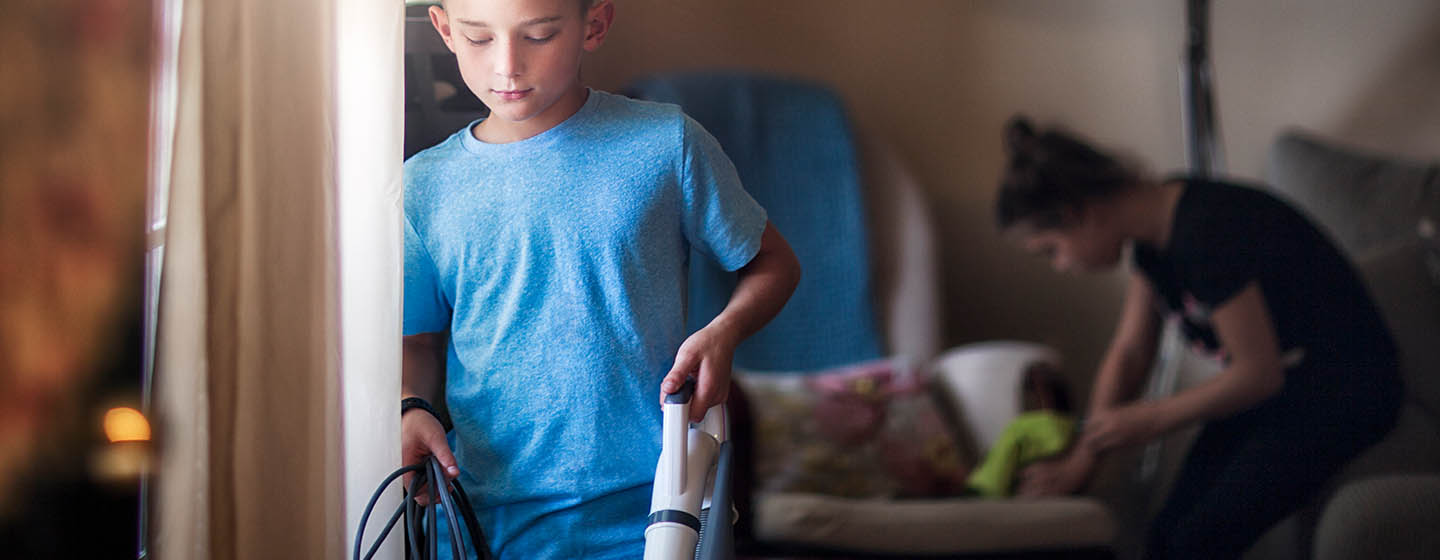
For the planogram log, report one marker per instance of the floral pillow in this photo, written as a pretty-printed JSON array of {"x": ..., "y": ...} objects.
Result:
[{"x": 870, "y": 430}]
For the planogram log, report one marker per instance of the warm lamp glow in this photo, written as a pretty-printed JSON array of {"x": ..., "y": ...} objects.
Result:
[{"x": 126, "y": 424}]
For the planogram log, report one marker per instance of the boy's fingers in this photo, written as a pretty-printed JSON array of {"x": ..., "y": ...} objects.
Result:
[
  {"x": 709, "y": 391},
  {"x": 441, "y": 450},
  {"x": 673, "y": 380},
  {"x": 684, "y": 365}
]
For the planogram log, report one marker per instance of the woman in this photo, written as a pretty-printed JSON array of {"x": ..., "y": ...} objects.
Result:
[{"x": 1309, "y": 376}]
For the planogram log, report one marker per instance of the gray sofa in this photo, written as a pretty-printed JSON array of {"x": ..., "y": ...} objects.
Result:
[
  {"x": 1381, "y": 211},
  {"x": 1386, "y": 503}
]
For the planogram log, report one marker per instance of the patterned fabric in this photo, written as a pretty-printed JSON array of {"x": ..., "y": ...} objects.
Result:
[{"x": 864, "y": 431}]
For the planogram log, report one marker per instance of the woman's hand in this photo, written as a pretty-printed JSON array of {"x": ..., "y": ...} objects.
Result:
[
  {"x": 1057, "y": 477},
  {"x": 707, "y": 356},
  {"x": 1122, "y": 427}
]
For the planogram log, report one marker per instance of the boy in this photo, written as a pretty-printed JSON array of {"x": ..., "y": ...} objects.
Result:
[{"x": 548, "y": 243}]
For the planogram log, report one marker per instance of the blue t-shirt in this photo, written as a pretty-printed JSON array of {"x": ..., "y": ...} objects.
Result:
[{"x": 557, "y": 264}]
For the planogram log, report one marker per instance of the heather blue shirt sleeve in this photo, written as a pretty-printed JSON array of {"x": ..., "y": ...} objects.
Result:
[
  {"x": 426, "y": 307},
  {"x": 721, "y": 220}
]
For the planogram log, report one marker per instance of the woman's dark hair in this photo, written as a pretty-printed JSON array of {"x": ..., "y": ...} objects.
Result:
[{"x": 1051, "y": 176}]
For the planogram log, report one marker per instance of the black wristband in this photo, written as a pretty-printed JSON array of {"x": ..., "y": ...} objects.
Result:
[{"x": 416, "y": 402}]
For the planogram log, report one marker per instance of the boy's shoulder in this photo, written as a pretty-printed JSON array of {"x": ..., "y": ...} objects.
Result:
[
  {"x": 428, "y": 160},
  {"x": 614, "y": 117},
  {"x": 615, "y": 104},
  {"x": 615, "y": 122},
  {"x": 627, "y": 116}
]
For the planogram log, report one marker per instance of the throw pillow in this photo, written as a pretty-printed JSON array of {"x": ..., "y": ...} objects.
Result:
[{"x": 869, "y": 430}]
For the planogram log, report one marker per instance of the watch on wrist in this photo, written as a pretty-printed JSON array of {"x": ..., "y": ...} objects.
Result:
[{"x": 408, "y": 403}]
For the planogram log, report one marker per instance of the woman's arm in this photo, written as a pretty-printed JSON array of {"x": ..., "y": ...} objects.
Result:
[
  {"x": 765, "y": 285},
  {"x": 1121, "y": 375},
  {"x": 1253, "y": 374},
  {"x": 1132, "y": 349}
]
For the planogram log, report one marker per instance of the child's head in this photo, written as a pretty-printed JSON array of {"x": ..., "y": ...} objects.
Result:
[
  {"x": 1042, "y": 388},
  {"x": 1049, "y": 193},
  {"x": 521, "y": 56}
]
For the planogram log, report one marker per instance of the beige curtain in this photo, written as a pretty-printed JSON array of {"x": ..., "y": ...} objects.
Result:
[{"x": 249, "y": 399}]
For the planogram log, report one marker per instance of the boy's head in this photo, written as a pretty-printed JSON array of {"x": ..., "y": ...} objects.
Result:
[
  {"x": 1044, "y": 389},
  {"x": 521, "y": 56}
]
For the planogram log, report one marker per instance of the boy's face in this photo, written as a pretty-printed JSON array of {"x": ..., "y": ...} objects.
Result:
[{"x": 521, "y": 56}]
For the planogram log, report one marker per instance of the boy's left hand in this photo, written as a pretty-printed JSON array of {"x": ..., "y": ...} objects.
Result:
[{"x": 706, "y": 355}]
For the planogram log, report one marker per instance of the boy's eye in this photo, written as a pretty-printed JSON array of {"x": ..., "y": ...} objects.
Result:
[
  {"x": 541, "y": 39},
  {"x": 477, "y": 42}
]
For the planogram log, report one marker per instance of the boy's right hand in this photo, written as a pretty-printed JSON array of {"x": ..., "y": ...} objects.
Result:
[{"x": 421, "y": 435}]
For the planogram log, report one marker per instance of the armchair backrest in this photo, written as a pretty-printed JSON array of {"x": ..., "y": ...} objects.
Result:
[{"x": 792, "y": 147}]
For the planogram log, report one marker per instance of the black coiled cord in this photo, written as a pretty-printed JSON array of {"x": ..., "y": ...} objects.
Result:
[{"x": 416, "y": 516}]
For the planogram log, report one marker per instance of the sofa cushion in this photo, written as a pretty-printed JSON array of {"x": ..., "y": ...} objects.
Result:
[
  {"x": 1364, "y": 201},
  {"x": 1386, "y": 517},
  {"x": 919, "y": 527},
  {"x": 1411, "y": 305},
  {"x": 1430, "y": 244}
]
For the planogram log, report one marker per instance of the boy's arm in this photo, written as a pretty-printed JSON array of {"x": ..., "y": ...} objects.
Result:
[
  {"x": 420, "y": 367},
  {"x": 765, "y": 285},
  {"x": 420, "y": 376}
]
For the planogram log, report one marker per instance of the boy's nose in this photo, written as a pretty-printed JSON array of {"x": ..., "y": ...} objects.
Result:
[{"x": 507, "y": 61}]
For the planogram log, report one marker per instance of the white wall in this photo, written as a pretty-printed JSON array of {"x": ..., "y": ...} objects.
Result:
[{"x": 368, "y": 135}]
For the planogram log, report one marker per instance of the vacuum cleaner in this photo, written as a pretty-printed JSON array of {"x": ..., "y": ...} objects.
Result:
[
  {"x": 692, "y": 483},
  {"x": 420, "y": 541},
  {"x": 692, "y": 512}
]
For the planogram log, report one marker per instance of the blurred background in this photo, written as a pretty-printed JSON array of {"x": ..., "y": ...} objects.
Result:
[
  {"x": 938, "y": 79},
  {"x": 104, "y": 102},
  {"x": 74, "y": 114}
]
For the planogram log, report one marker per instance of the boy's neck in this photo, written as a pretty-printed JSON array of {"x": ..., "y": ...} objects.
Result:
[{"x": 495, "y": 130}]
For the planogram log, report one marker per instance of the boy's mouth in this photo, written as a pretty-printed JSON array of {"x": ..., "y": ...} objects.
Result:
[{"x": 512, "y": 94}]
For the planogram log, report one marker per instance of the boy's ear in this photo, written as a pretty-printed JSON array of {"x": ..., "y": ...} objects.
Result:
[
  {"x": 441, "y": 21},
  {"x": 597, "y": 23}
]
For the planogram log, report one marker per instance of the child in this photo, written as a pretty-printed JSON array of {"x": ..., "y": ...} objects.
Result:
[
  {"x": 1310, "y": 375},
  {"x": 545, "y": 256},
  {"x": 1043, "y": 430}
]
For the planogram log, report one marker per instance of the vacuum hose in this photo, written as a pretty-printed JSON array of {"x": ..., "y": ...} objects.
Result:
[{"x": 422, "y": 542}]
